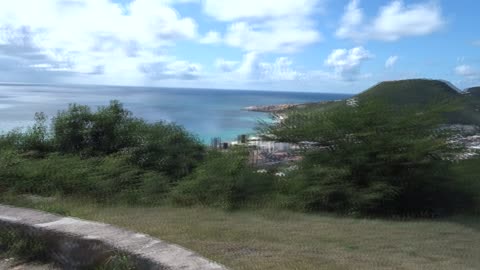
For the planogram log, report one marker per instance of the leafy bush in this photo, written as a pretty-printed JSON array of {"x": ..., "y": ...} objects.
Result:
[
  {"x": 167, "y": 148},
  {"x": 111, "y": 178},
  {"x": 71, "y": 129},
  {"x": 35, "y": 139},
  {"x": 225, "y": 180}
]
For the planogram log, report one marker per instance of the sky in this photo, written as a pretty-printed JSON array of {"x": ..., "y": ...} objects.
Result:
[{"x": 339, "y": 46}]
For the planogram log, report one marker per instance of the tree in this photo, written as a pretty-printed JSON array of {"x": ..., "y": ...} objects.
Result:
[
  {"x": 372, "y": 159},
  {"x": 71, "y": 128}
]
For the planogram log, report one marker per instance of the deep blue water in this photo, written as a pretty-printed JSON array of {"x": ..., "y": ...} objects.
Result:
[{"x": 206, "y": 113}]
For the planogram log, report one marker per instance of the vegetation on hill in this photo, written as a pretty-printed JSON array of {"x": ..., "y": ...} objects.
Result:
[
  {"x": 410, "y": 92},
  {"x": 474, "y": 92},
  {"x": 419, "y": 92},
  {"x": 371, "y": 157},
  {"x": 107, "y": 154}
]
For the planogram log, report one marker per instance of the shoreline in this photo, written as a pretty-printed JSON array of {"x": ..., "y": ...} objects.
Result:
[
  {"x": 278, "y": 108},
  {"x": 273, "y": 108}
]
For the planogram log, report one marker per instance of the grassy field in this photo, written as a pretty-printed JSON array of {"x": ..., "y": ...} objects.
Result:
[{"x": 267, "y": 239}]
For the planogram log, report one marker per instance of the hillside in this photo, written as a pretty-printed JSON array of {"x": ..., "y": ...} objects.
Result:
[
  {"x": 410, "y": 92},
  {"x": 419, "y": 92},
  {"x": 473, "y": 92}
]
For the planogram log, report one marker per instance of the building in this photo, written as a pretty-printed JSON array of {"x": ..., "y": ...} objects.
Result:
[{"x": 216, "y": 143}]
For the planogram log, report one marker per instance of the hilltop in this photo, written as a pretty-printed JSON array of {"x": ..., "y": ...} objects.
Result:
[
  {"x": 474, "y": 91},
  {"x": 412, "y": 92}
]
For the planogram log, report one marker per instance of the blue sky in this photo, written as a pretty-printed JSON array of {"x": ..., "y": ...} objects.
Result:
[{"x": 291, "y": 45}]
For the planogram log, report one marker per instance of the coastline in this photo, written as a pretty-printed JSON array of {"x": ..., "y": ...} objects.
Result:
[
  {"x": 278, "y": 108},
  {"x": 273, "y": 108}
]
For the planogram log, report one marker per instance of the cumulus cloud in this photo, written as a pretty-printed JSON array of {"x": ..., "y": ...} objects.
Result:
[
  {"x": 271, "y": 36},
  {"x": 253, "y": 9},
  {"x": 212, "y": 37},
  {"x": 252, "y": 68},
  {"x": 394, "y": 21},
  {"x": 467, "y": 71},
  {"x": 346, "y": 63},
  {"x": 280, "y": 70},
  {"x": 391, "y": 61},
  {"x": 89, "y": 36},
  {"x": 226, "y": 66},
  {"x": 267, "y": 26},
  {"x": 182, "y": 70}
]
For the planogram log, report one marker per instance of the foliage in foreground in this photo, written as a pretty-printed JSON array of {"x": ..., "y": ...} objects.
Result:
[
  {"x": 163, "y": 147},
  {"x": 105, "y": 179},
  {"x": 20, "y": 245},
  {"x": 370, "y": 159},
  {"x": 366, "y": 159},
  {"x": 225, "y": 180}
]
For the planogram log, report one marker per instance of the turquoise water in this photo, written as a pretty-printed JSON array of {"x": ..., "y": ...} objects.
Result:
[{"x": 206, "y": 113}]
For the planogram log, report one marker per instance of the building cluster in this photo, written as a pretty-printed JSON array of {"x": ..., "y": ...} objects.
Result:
[{"x": 262, "y": 152}]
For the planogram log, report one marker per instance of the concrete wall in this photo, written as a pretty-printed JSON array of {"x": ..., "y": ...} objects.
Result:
[{"x": 79, "y": 244}]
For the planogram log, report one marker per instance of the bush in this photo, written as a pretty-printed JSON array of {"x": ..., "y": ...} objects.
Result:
[
  {"x": 224, "y": 180},
  {"x": 104, "y": 179},
  {"x": 71, "y": 129},
  {"x": 35, "y": 139},
  {"x": 108, "y": 155},
  {"x": 167, "y": 148}
]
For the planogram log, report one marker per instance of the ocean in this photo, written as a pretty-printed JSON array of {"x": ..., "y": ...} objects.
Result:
[{"x": 207, "y": 113}]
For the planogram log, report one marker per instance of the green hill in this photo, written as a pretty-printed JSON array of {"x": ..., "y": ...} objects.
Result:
[
  {"x": 420, "y": 92},
  {"x": 410, "y": 92},
  {"x": 473, "y": 92},
  {"x": 424, "y": 92}
]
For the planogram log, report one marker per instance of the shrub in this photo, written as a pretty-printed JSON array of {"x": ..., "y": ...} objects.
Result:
[
  {"x": 71, "y": 129},
  {"x": 35, "y": 139},
  {"x": 167, "y": 148},
  {"x": 107, "y": 154},
  {"x": 105, "y": 179},
  {"x": 225, "y": 180}
]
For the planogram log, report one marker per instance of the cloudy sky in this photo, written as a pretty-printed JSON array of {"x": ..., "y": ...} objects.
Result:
[{"x": 296, "y": 45}]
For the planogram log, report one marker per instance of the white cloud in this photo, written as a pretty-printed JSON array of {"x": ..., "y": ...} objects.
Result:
[
  {"x": 182, "y": 70},
  {"x": 254, "y": 9},
  {"x": 212, "y": 37},
  {"x": 226, "y": 66},
  {"x": 352, "y": 18},
  {"x": 249, "y": 67},
  {"x": 272, "y": 36},
  {"x": 467, "y": 71},
  {"x": 280, "y": 70},
  {"x": 391, "y": 61},
  {"x": 394, "y": 21},
  {"x": 89, "y": 36},
  {"x": 346, "y": 63},
  {"x": 268, "y": 25},
  {"x": 253, "y": 69},
  {"x": 476, "y": 43}
]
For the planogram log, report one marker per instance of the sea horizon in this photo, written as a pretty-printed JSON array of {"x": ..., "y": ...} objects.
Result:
[{"x": 207, "y": 113}]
